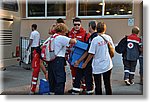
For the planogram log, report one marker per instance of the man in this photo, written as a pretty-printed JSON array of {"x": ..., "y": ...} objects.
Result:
[
  {"x": 35, "y": 57},
  {"x": 129, "y": 47},
  {"x": 79, "y": 33},
  {"x": 131, "y": 56},
  {"x": 58, "y": 21},
  {"x": 34, "y": 39},
  {"x": 87, "y": 72}
]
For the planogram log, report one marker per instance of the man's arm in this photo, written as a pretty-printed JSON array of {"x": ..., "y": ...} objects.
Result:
[
  {"x": 81, "y": 59},
  {"x": 90, "y": 56},
  {"x": 30, "y": 43}
]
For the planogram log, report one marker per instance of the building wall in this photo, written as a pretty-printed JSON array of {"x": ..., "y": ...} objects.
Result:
[{"x": 116, "y": 27}]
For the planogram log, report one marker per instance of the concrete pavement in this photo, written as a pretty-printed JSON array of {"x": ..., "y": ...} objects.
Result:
[{"x": 16, "y": 81}]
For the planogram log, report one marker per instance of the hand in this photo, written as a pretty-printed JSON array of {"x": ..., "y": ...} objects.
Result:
[
  {"x": 84, "y": 65},
  {"x": 76, "y": 64}
]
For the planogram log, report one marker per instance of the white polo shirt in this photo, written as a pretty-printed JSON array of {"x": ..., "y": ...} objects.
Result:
[
  {"x": 35, "y": 36},
  {"x": 60, "y": 44},
  {"x": 101, "y": 60}
]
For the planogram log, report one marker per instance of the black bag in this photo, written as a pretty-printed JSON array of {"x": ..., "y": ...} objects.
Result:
[{"x": 122, "y": 46}]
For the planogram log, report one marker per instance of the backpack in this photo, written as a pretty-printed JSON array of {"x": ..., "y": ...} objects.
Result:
[
  {"x": 47, "y": 49},
  {"x": 122, "y": 46}
]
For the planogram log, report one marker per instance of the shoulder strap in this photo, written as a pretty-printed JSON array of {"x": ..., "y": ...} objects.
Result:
[
  {"x": 54, "y": 36},
  {"x": 104, "y": 39}
]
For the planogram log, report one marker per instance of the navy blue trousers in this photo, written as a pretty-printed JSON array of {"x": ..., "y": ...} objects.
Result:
[
  {"x": 129, "y": 69},
  {"x": 57, "y": 75}
]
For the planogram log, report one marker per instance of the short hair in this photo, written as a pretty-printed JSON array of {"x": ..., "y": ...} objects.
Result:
[
  {"x": 93, "y": 24},
  {"x": 34, "y": 26},
  {"x": 135, "y": 30},
  {"x": 61, "y": 28},
  {"x": 101, "y": 27},
  {"x": 60, "y": 20},
  {"x": 76, "y": 19}
]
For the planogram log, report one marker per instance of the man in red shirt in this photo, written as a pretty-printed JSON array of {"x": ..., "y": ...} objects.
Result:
[{"x": 79, "y": 33}]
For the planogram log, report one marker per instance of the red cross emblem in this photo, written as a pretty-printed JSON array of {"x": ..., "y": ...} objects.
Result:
[
  {"x": 130, "y": 45},
  {"x": 99, "y": 43}
]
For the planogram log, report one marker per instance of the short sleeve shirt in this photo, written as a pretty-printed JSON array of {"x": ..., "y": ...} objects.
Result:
[
  {"x": 35, "y": 36},
  {"x": 101, "y": 60},
  {"x": 60, "y": 44}
]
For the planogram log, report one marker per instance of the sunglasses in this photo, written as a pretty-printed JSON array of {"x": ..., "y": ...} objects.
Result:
[{"x": 77, "y": 24}]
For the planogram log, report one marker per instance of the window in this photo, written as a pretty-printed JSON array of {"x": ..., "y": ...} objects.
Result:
[
  {"x": 46, "y": 8},
  {"x": 88, "y": 8},
  {"x": 104, "y": 8},
  {"x": 36, "y": 9},
  {"x": 10, "y": 5},
  {"x": 57, "y": 8},
  {"x": 118, "y": 8}
]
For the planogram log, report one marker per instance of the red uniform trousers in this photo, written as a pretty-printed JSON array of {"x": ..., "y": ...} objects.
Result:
[{"x": 36, "y": 70}]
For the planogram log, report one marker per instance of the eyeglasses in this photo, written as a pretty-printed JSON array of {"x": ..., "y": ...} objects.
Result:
[{"x": 77, "y": 24}]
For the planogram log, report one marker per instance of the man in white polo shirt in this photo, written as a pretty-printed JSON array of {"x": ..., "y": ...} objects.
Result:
[
  {"x": 35, "y": 56},
  {"x": 34, "y": 39}
]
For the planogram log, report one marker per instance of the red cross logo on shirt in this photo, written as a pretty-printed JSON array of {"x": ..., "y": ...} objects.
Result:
[
  {"x": 99, "y": 43},
  {"x": 130, "y": 45}
]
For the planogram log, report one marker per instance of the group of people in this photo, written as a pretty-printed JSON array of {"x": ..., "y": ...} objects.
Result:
[{"x": 97, "y": 60}]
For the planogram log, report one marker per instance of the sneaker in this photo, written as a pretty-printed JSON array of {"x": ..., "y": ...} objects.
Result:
[
  {"x": 52, "y": 93},
  {"x": 75, "y": 92},
  {"x": 131, "y": 82},
  {"x": 90, "y": 92},
  {"x": 127, "y": 82}
]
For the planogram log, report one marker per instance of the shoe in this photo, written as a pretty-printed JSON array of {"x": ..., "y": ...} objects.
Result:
[
  {"x": 73, "y": 92},
  {"x": 131, "y": 82},
  {"x": 52, "y": 93},
  {"x": 127, "y": 82},
  {"x": 90, "y": 92}
]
